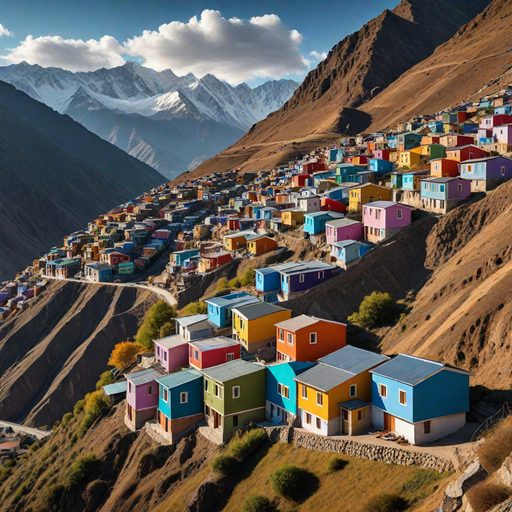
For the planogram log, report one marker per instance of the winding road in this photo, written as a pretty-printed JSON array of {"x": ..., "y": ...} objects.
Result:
[{"x": 39, "y": 434}]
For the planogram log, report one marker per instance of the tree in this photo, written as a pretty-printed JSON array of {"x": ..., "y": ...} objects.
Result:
[
  {"x": 124, "y": 354},
  {"x": 247, "y": 277},
  {"x": 167, "y": 329},
  {"x": 375, "y": 310},
  {"x": 157, "y": 315},
  {"x": 194, "y": 308}
]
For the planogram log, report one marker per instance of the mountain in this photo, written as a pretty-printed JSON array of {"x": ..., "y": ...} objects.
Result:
[
  {"x": 357, "y": 69},
  {"x": 167, "y": 121},
  {"x": 56, "y": 176}
]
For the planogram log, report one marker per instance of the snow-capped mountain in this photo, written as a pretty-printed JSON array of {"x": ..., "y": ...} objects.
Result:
[{"x": 135, "y": 107}]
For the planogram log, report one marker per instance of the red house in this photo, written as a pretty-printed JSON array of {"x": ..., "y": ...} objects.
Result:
[
  {"x": 381, "y": 154},
  {"x": 212, "y": 352},
  {"x": 453, "y": 140},
  {"x": 114, "y": 258},
  {"x": 299, "y": 180},
  {"x": 209, "y": 262},
  {"x": 463, "y": 153},
  {"x": 234, "y": 224},
  {"x": 331, "y": 205},
  {"x": 311, "y": 167}
]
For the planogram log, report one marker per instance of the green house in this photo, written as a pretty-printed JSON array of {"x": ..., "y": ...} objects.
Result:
[{"x": 234, "y": 395}]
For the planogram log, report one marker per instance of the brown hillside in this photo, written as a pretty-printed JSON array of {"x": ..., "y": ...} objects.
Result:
[
  {"x": 53, "y": 352},
  {"x": 357, "y": 68},
  {"x": 477, "y": 55}
]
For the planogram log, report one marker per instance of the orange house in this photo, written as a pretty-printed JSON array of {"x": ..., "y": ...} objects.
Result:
[
  {"x": 260, "y": 244},
  {"x": 307, "y": 338},
  {"x": 443, "y": 168}
]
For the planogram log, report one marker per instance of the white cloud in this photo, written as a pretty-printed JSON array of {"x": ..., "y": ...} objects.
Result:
[
  {"x": 232, "y": 49},
  {"x": 71, "y": 54},
  {"x": 318, "y": 56},
  {"x": 4, "y": 32}
]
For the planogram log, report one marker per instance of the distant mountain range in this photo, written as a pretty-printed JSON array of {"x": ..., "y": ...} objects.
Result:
[
  {"x": 169, "y": 122},
  {"x": 55, "y": 177}
]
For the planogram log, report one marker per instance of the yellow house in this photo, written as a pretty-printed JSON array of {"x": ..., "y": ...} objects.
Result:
[
  {"x": 334, "y": 397},
  {"x": 254, "y": 324},
  {"x": 292, "y": 217},
  {"x": 236, "y": 241},
  {"x": 410, "y": 158},
  {"x": 367, "y": 193}
]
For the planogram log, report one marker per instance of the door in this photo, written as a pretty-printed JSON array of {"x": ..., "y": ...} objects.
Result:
[
  {"x": 216, "y": 419},
  {"x": 389, "y": 422},
  {"x": 345, "y": 422}
]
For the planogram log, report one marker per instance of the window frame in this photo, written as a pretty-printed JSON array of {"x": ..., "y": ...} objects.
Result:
[
  {"x": 383, "y": 390},
  {"x": 319, "y": 398},
  {"x": 183, "y": 397},
  {"x": 350, "y": 394},
  {"x": 313, "y": 338},
  {"x": 304, "y": 391},
  {"x": 235, "y": 390},
  {"x": 400, "y": 391}
]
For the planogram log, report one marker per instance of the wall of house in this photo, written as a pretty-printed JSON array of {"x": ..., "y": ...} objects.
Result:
[
  {"x": 263, "y": 329},
  {"x": 252, "y": 393},
  {"x": 391, "y": 403}
]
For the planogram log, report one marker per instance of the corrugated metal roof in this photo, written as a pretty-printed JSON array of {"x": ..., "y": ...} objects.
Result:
[
  {"x": 185, "y": 321},
  {"x": 232, "y": 370},
  {"x": 115, "y": 389},
  {"x": 233, "y": 299},
  {"x": 381, "y": 204},
  {"x": 171, "y": 341},
  {"x": 213, "y": 343},
  {"x": 257, "y": 310},
  {"x": 324, "y": 377},
  {"x": 338, "y": 223},
  {"x": 144, "y": 376},
  {"x": 411, "y": 370},
  {"x": 178, "y": 378},
  {"x": 354, "y": 360},
  {"x": 308, "y": 266}
]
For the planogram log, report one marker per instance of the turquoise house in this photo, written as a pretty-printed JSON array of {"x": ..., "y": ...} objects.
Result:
[
  {"x": 181, "y": 257},
  {"x": 380, "y": 166},
  {"x": 419, "y": 399},
  {"x": 347, "y": 173},
  {"x": 314, "y": 223},
  {"x": 348, "y": 251},
  {"x": 412, "y": 180},
  {"x": 219, "y": 308},
  {"x": 281, "y": 390},
  {"x": 180, "y": 403}
]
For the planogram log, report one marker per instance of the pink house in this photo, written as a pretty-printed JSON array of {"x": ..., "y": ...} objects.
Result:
[
  {"x": 343, "y": 229},
  {"x": 503, "y": 134},
  {"x": 141, "y": 397},
  {"x": 382, "y": 219},
  {"x": 382, "y": 154},
  {"x": 171, "y": 352},
  {"x": 489, "y": 122}
]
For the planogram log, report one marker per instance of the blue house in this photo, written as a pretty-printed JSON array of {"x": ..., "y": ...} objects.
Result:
[
  {"x": 314, "y": 223},
  {"x": 503, "y": 109},
  {"x": 380, "y": 166},
  {"x": 436, "y": 126},
  {"x": 181, "y": 257},
  {"x": 336, "y": 193},
  {"x": 412, "y": 180},
  {"x": 268, "y": 279},
  {"x": 219, "y": 308},
  {"x": 281, "y": 390},
  {"x": 348, "y": 251},
  {"x": 347, "y": 173},
  {"x": 180, "y": 403},
  {"x": 419, "y": 399},
  {"x": 336, "y": 155},
  {"x": 408, "y": 140}
]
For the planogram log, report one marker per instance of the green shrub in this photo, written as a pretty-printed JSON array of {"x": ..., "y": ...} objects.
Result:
[
  {"x": 336, "y": 464},
  {"x": 497, "y": 446},
  {"x": 386, "y": 503},
  {"x": 105, "y": 378},
  {"x": 234, "y": 283},
  {"x": 66, "y": 418},
  {"x": 258, "y": 504},
  {"x": 289, "y": 481},
  {"x": 222, "y": 284},
  {"x": 95, "y": 405},
  {"x": 248, "y": 444},
  {"x": 247, "y": 277},
  {"x": 194, "y": 308},
  {"x": 79, "y": 407},
  {"x": 225, "y": 465},
  {"x": 486, "y": 495},
  {"x": 82, "y": 470},
  {"x": 52, "y": 496},
  {"x": 157, "y": 315},
  {"x": 375, "y": 310},
  {"x": 167, "y": 329}
]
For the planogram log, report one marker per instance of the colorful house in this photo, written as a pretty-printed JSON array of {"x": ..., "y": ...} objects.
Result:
[
  {"x": 212, "y": 352},
  {"x": 347, "y": 251},
  {"x": 314, "y": 223},
  {"x": 407, "y": 140},
  {"x": 383, "y": 219},
  {"x": 292, "y": 217},
  {"x": 141, "y": 397},
  {"x": 444, "y": 168},
  {"x": 194, "y": 327},
  {"x": 408, "y": 159},
  {"x": 253, "y": 325},
  {"x": 343, "y": 229},
  {"x": 503, "y": 134},
  {"x": 209, "y": 262},
  {"x": 463, "y": 153},
  {"x": 307, "y": 338},
  {"x": 234, "y": 395},
  {"x": 281, "y": 391},
  {"x": 260, "y": 244},
  {"x": 180, "y": 403},
  {"x": 334, "y": 397},
  {"x": 358, "y": 196},
  {"x": 236, "y": 241},
  {"x": 347, "y": 173},
  {"x": 380, "y": 166},
  {"x": 419, "y": 399},
  {"x": 411, "y": 180},
  {"x": 181, "y": 257},
  {"x": 219, "y": 308},
  {"x": 98, "y": 272},
  {"x": 309, "y": 204},
  {"x": 453, "y": 140},
  {"x": 486, "y": 173},
  {"x": 171, "y": 352},
  {"x": 304, "y": 275},
  {"x": 440, "y": 195}
]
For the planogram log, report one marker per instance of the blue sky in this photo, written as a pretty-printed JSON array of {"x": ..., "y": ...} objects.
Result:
[{"x": 267, "y": 47}]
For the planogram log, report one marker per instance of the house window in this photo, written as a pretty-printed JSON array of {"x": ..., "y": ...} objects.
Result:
[
  {"x": 235, "y": 420},
  {"x": 150, "y": 390},
  {"x": 165, "y": 395},
  {"x": 235, "y": 392},
  {"x": 352, "y": 390},
  {"x": 469, "y": 168},
  {"x": 312, "y": 338},
  {"x": 218, "y": 391},
  {"x": 290, "y": 338},
  {"x": 308, "y": 418},
  {"x": 426, "y": 427},
  {"x": 321, "y": 274},
  {"x": 359, "y": 415},
  {"x": 206, "y": 385},
  {"x": 502, "y": 170},
  {"x": 207, "y": 410},
  {"x": 459, "y": 187},
  {"x": 319, "y": 399},
  {"x": 196, "y": 354},
  {"x": 318, "y": 423},
  {"x": 399, "y": 214},
  {"x": 383, "y": 390},
  {"x": 402, "y": 397},
  {"x": 184, "y": 397},
  {"x": 230, "y": 356},
  {"x": 165, "y": 356},
  {"x": 301, "y": 278},
  {"x": 281, "y": 334},
  {"x": 279, "y": 389},
  {"x": 286, "y": 391},
  {"x": 304, "y": 393},
  {"x": 129, "y": 387}
]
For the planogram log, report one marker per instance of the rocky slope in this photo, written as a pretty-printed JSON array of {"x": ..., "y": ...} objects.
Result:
[
  {"x": 357, "y": 69},
  {"x": 56, "y": 176},
  {"x": 53, "y": 352},
  {"x": 167, "y": 121}
]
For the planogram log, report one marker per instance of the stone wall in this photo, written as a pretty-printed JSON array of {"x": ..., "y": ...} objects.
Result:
[{"x": 387, "y": 454}]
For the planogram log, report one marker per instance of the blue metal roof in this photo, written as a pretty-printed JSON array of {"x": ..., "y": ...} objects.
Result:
[
  {"x": 233, "y": 299},
  {"x": 354, "y": 360},
  {"x": 178, "y": 378},
  {"x": 115, "y": 389}
]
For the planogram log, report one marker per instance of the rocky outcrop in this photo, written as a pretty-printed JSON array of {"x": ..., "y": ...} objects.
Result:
[{"x": 504, "y": 474}]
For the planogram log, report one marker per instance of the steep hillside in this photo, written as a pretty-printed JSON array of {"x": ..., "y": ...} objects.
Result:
[
  {"x": 359, "y": 67},
  {"x": 477, "y": 55},
  {"x": 53, "y": 352},
  {"x": 56, "y": 176},
  {"x": 460, "y": 268}
]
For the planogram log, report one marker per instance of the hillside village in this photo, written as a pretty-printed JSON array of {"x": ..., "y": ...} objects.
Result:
[{"x": 247, "y": 359}]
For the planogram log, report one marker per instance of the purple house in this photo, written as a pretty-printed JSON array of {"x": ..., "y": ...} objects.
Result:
[
  {"x": 171, "y": 352},
  {"x": 486, "y": 173},
  {"x": 440, "y": 195},
  {"x": 383, "y": 219},
  {"x": 303, "y": 276},
  {"x": 141, "y": 397},
  {"x": 343, "y": 229}
]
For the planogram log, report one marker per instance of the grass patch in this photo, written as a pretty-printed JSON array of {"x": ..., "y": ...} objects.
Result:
[
  {"x": 248, "y": 444},
  {"x": 486, "y": 495},
  {"x": 497, "y": 446}
]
